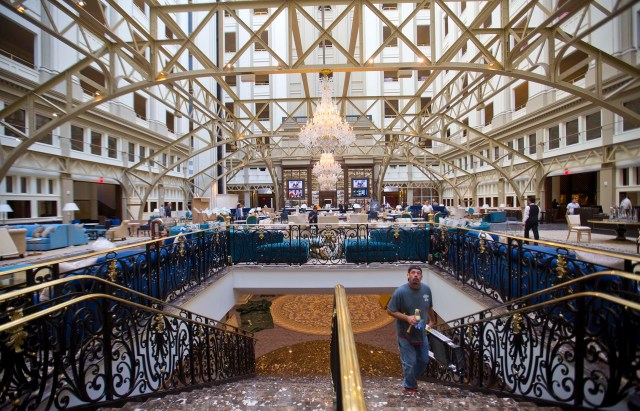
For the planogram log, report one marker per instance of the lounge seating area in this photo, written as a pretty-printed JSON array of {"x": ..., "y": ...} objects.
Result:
[{"x": 44, "y": 237}]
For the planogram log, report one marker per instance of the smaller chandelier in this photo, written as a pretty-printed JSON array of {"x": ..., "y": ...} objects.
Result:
[
  {"x": 327, "y": 171},
  {"x": 327, "y": 182},
  {"x": 326, "y": 165},
  {"x": 326, "y": 131}
]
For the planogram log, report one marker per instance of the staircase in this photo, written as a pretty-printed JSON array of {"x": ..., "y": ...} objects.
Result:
[{"x": 315, "y": 393}]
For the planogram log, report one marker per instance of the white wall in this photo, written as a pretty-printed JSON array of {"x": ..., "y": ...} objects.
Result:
[{"x": 449, "y": 301}]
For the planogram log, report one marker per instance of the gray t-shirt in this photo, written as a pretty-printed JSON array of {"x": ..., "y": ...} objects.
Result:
[{"x": 406, "y": 300}]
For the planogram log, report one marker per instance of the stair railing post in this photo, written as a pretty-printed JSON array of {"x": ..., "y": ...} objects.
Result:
[{"x": 106, "y": 346}]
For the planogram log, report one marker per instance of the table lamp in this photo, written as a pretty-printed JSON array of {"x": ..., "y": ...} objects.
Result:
[
  {"x": 70, "y": 208},
  {"x": 4, "y": 209}
]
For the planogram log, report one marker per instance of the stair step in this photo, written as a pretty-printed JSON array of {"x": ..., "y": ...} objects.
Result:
[{"x": 316, "y": 393}]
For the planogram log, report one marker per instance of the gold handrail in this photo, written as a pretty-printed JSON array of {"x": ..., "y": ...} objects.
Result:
[
  {"x": 351, "y": 381},
  {"x": 36, "y": 288}
]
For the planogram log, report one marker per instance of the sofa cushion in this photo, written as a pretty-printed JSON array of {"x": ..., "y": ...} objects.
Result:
[
  {"x": 37, "y": 233},
  {"x": 47, "y": 231}
]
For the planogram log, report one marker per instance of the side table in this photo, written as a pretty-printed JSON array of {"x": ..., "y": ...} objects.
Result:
[{"x": 35, "y": 243}]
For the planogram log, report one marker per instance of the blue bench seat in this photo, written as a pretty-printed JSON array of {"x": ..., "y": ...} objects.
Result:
[
  {"x": 295, "y": 251},
  {"x": 362, "y": 250}
]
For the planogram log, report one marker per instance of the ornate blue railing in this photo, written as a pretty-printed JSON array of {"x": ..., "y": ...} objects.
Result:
[
  {"x": 576, "y": 344},
  {"x": 88, "y": 344}
]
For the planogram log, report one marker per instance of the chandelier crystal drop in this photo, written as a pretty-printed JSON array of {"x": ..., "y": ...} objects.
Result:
[{"x": 326, "y": 131}]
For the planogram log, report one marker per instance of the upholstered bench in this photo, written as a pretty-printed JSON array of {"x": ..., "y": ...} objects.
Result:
[
  {"x": 414, "y": 243},
  {"x": 294, "y": 251},
  {"x": 362, "y": 250}
]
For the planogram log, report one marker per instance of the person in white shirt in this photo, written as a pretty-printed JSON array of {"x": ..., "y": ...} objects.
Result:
[
  {"x": 426, "y": 209},
  {"x": 572, "y": 206},
  {"x": 625, "y": 204}
]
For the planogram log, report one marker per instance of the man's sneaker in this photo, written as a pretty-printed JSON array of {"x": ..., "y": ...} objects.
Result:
[{"x": 409, "y": 390}]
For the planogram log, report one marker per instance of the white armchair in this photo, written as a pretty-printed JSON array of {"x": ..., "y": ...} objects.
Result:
[
  {"x": 121, "y": 231},
  {"x": 7, "y": 247}
]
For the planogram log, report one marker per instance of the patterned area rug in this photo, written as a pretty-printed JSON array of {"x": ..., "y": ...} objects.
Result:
[{"x": 311, "y": 314}]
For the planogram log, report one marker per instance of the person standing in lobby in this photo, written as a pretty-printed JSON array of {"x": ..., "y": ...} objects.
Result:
[
  {"x": 571, "y": 207},
  {"x": 239, "y": 215},
  {"x": 426, "y": 210},
  {"x": 625, "y": 204},
  {"x": 531, "y": 218}
]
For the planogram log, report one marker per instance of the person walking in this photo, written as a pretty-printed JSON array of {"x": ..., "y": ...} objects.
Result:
[
  {"x": 167, "y": 210},
  {"x": 530, "y": 218},
  {"x": 412, "y": 306}
]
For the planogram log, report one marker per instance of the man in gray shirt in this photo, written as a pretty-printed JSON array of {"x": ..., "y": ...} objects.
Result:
[{"x": 412, "y": 306}]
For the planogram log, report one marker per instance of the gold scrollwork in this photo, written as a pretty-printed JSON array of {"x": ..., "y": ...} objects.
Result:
[
  {"x": 561, "y": 266},
  {"x": 396, "y": 231},
  {"x": 112, "y": 271},
  {"x": 17, "y": 334},
  {"x": 443, "y": 235},
  {"x": 328, "y": 235},
  {"x": 470, "y": 332},
  {"x": 483, "y": 247},
  {"x": 516, "y": 325},
  {"x": 261, "y": 233},
  {"x": 181, "y": 249},
  {"x": 159, "y": 325}
]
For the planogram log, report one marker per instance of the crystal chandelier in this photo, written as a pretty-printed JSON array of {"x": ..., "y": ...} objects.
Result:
[
  {"x": 326, "y": 165},
  {"x": 327, "y": 182},
  {"x": 326, "y": 131},
  {"x": 327, "y": 171}
]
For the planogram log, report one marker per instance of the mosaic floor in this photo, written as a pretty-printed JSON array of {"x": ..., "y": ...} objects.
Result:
[{"x": 312, "y": 314}]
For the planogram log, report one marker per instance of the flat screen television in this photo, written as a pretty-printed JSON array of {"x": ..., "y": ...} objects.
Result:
[
  {"x": 296, "y": 188},
  {"x": 360, "y": 187}
]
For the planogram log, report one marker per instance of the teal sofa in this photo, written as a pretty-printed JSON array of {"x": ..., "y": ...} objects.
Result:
[
  {"x": 57, "y": 238},
  {"x": 365, "y": 250},
  {"x": 413, "y": 244}
]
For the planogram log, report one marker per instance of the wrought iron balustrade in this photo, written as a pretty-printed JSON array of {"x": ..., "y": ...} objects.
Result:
[
  {"x": 99, "y": 349},
  {"x": 164, "y": 268},
  {"x": 329, "y": 244},
  {"x": 576, "y": 344},
  {"x": 508, "y": 267}
]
